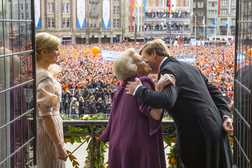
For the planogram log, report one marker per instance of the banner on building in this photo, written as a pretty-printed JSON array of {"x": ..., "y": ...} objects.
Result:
[
  {"x": 109, "y": 55},
  {"x": 81, "y": 14},
  {"x": 173, "y": 5},
  {"x": 190, "y": 59},
  {"x": 106, "y": 14},
  {"x": 37, "y": 14}
]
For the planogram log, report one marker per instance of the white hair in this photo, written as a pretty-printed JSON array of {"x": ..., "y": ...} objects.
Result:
[{"x": 124, "y": 66}]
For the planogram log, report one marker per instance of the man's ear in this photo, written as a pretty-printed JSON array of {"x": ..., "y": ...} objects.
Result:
[
  {"x": 154, "y": 54},
  {"x": 43, "y": 51}
]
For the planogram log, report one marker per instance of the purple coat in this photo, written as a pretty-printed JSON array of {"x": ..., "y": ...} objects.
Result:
[{"x": 135, "y": 138}]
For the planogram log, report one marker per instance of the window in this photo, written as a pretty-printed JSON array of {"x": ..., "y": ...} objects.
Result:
[
  {"x": 200, "y": 4},
  {"x": 118, "y": 23},
  {"x": 211, "y": 30},
  {"x": 201, "y": 29},
  {"x": 212, "y": 4},
  {"x": 233, "y": 2},
  {"x": 68, "y": 8},
  {"x": 114, "y": 23},
  {"x": 27, "y": 15},
  {"x": 94, "y": 20},
  {"x": 212, "y": 12},
  {"x": 64, "y": 23},
  {"x": 94, "y": 8},
  {"x": 48, "y": 8},
  {"x": 17, "y": 136},
  {"x": 129, "y": 9},
  {"x": 129, "y": 19},
  {"x": 91, "y": 8},
  {"x": 210, "y": 21},
  {"x": 91, "y": 22},
  {"x": 200, "y": 13},
  {"x": 118, "y": 9},
  {"x": 48, "y": 23},
  {"x": 224, "y": 2},
  {"x": 233, "y": 11},
  {"x": 68, "y": 22},
  {"x": 52, "y": 7},
  {"x": 27, "y": 7},
  {"x": 194, "y": 4},
  {"x": 223, "y": 12},
  {"x": 64, "y": 8},
  {"x": 52, "y": 22},
  {"x": 233, "y": 21},
  {"x": 223, "y": 21},
  {"x": 114, "y": 10}
]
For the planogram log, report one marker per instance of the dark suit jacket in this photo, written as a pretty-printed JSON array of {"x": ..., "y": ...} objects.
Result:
[{"x": 197, "y": 108}]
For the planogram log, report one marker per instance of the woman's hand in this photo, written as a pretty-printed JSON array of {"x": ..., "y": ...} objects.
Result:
[
  {"x": 164, "y": 81},
  {"x": 60, "y": 153}
]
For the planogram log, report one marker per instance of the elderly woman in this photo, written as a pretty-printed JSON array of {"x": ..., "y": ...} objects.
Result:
[
  {"x": 134, "y": 130},
  {"x": 50, "y": 139}
]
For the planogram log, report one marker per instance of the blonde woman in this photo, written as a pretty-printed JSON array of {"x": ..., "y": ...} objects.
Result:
[
  {"x": 134, "y": 129},
  {"x": 50, "y": 150}
]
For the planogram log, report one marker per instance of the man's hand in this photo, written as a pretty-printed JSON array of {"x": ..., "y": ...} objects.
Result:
[
  {"x": 164, "y": 81},
  {"x": 227, "y": 125},
  {"x": 131, "y": 86}
]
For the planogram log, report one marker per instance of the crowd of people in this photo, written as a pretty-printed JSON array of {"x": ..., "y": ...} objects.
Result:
[
  {"x": 97, "y": 102},
  {"x": 81, "y": 69}
]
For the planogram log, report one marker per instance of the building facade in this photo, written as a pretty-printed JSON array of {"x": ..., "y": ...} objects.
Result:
[
  {"x": 218, "y": 15},
  {"x": 77, "y": 21},
  {"x": 168, "y": 20}
]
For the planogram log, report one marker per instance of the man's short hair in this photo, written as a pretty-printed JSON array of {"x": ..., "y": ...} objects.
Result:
[{"x": 158, "y": 45}]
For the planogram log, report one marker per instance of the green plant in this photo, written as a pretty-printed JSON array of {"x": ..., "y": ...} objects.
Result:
[{"x": 99, "y": 147}]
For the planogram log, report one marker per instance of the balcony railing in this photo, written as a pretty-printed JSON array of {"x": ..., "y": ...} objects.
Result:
[
  {"x": 92, "y": 14},
  {"x": 167, "y": 30},
  {"x": 94, "y": 1},
  {"x": 246, "y": 13},
  {"x": 94, "y": 29},
  {"x": 93, "y": 133}
]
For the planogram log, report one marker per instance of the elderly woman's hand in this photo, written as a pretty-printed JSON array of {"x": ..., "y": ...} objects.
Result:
[{"x": 164, "y": 81}]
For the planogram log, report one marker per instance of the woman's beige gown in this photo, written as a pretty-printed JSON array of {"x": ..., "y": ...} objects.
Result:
[{"x": 48, "y": 103}]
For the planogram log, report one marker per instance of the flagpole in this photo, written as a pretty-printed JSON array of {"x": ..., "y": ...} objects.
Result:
[
  {"x": 138, "y": 18},
  {"x": 204, "y": 27},
  {"x": 215, "y": 29},
  {"x": 195, "y": 29}
]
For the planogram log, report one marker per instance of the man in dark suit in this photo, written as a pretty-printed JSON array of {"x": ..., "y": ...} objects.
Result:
[{"x": 201, "y": 115}]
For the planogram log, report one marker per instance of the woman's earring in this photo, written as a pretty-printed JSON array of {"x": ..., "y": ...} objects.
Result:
[
  {"x": 45, "y": 56},
  {"x": 137, "y": 73}
]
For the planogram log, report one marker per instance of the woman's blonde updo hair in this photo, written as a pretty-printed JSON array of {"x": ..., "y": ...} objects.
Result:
[
  {"x": 47, "y": 42},
  {"x": 124, "y": 66}
]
